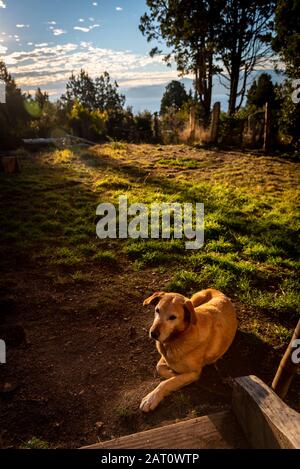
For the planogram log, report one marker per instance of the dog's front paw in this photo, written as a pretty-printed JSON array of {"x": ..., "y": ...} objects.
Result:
[{"x": 150, "y": 402}]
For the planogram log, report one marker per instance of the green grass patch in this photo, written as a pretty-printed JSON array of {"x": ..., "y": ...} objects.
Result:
[
  {"x": 36, "y": 443},
  {"x": 106, "y": 258},
  {"x": 66, "y": 257}
]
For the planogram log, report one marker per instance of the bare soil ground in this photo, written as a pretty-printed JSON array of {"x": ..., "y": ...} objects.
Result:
[{"x": 87, "y": 360}]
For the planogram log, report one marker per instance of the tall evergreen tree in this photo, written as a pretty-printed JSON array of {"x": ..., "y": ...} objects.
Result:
[
  {"x": 174, "y": 96},
  {"x": 262, "y": 91},
  {"x": 95, "y": 94}
]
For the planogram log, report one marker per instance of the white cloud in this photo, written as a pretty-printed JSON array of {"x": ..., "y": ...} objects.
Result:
[
  {"x": 51, "y": 22},
  {"x": 3, "y": 49},
  {"x": 42, "y": 44},
  {"x": 59, "y": 32},
  {"x": 91, "y": 18},
  {"x": 87, "y": 29},
  {"x": 2, "y": 4},
  {"x": 22, "y": 25},
  {"x": 119, "y": 8},
  {"x": 81, "y": 20},
  {"x": 29, "y": 43},
  {"x": 84, "y": 30},
  {"x": 51, "y": 66},
  {"x": 95, "y": 4}
]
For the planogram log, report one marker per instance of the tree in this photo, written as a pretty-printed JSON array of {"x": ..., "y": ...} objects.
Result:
[
  {"x": 244, "y": 43},
  {"x": 289, "y": 114},
  {"x": 174, "y": 96},
  {"x": 107, "y": 95},
  {"x": 199, "y": 33},
  {"x": 81, "y": 88},
  {"x": 287, "y": 35},
  {"x": 189, "y": 29},
  {"x": 287, "y": 43},
  {"x": 13, "y": 117},
  {"x": 95, "y": 94},
  {"x": 262, "y": 91},
  {"x": 42, "y": 98}
]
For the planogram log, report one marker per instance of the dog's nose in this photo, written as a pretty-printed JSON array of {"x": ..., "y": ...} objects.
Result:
[{"x": 154, "y": 334}]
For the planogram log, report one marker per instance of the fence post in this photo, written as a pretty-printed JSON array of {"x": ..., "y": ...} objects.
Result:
[
  {"x": 192, "y": 123},
  {"x": 215, "y": 122},
  {"x": 267, "y": 128},
  {"x": 9, "y": 164},
  {"x": 156, "y": 128}
]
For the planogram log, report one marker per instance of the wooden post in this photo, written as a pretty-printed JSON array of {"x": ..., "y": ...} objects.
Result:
[
  {"x": 192, "y": 123},
  {"x": 9, "y": 164},
  {"x": 214, "y": 130},
  {"x": 156, "y": 128},
  {"x": 267, "y": 128},
  {"x": 287, "y": 367}
]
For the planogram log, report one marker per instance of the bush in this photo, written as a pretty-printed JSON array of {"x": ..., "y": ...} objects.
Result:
[
  {"x": 86, "y": 123},
  {"x": 231, "y": 128}
]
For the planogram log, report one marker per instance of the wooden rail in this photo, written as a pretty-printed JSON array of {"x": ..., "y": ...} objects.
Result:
[{"x": 266, "y": 420}]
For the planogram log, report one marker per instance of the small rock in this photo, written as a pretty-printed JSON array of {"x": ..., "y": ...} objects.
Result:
[{"x": 99, "y": 425}]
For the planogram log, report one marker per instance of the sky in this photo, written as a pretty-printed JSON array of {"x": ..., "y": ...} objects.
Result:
[{"x": 43, "y": 41}]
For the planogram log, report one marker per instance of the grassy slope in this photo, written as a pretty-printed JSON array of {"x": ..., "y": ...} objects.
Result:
[{"x": 251, "y": 224}]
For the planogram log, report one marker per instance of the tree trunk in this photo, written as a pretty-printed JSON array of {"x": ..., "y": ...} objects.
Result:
[{"x": 234, "y": 84}]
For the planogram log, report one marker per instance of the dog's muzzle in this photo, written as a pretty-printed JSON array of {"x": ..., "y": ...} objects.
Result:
[{"x": 154, "y": 334}]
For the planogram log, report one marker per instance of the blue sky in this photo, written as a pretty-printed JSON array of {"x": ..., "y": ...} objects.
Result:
[{"x": 43, "y": 41}]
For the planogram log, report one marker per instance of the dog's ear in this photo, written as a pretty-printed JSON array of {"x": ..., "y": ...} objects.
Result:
[
  {"x": 189, "y": 312},
  {"x": 154, "y": 299}
]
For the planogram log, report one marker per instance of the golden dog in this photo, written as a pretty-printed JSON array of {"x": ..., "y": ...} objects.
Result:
[{"x": 189, "y": 334}]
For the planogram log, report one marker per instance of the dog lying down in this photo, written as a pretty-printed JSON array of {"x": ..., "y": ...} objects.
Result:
[{"x": 189, "y": 334}]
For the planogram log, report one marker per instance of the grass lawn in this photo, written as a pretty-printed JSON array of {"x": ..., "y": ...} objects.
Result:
[{"x": 56, "y": 272}]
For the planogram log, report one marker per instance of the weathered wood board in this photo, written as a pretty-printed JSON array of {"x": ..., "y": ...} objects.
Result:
[
  {"x": 265, "y": 419},
  {"x": 214, "y": 431}
]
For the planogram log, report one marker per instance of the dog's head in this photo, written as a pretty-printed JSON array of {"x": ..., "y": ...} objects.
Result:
[{"x": 173, "y": 315}]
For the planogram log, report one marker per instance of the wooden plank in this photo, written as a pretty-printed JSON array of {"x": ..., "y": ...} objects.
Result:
[
  {"x": 218, "y": 430},
  {"x": 266, "y": 420}
]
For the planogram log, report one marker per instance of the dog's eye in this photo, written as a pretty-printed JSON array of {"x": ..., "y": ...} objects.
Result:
[
  {"x": 172, "y": 318},
  {"x": 157, "y": 310}
]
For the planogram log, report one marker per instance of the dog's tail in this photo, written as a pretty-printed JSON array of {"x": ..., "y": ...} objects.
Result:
[{"x": 204, "y": 296}]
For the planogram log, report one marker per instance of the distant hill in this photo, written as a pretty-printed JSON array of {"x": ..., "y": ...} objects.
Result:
[{"x": 149, "y": 97}]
